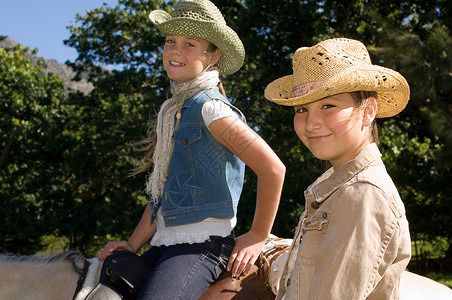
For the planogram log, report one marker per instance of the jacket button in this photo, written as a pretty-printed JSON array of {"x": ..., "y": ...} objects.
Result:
[
  {"x": 315, "y": 205},
  {"x": 184, "y": 142},
  {"x": 325, "y": 215}
]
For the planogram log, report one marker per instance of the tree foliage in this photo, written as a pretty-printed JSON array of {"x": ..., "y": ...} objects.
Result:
[
  {"x": 65, "y": 158},
  {"x": 30, "y": 110}
]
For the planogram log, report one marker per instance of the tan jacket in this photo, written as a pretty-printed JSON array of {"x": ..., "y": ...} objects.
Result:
[{"x": 356, "y": 240}]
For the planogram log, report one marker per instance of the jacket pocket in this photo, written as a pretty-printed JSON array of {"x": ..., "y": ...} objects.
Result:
[
  {"x": 313, "y": 229},
  {"x": 318, "y": 221}
]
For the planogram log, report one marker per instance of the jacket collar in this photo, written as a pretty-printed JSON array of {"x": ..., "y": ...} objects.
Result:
[{"x": 333, "y": 179}]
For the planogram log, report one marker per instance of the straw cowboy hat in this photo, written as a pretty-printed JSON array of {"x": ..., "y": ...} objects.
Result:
[
  {"x": 338, "y": 66},
  {"x": 202, "y": 19}
]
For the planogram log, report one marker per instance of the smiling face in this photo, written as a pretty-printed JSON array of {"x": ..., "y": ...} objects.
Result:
[
  {"x": 333, "y": 128},
  {"x": 185, "y": 57}
]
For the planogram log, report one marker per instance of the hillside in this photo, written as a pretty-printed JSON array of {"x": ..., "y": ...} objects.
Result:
[{"x": 52, "y": 66}]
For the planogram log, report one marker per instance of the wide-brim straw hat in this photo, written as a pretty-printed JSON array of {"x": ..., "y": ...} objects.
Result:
[
  {"x": 202, "y": 19},
  {"x": 337, "y": 66}
]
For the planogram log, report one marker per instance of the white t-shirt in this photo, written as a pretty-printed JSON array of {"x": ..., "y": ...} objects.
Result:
[{"x": 201, "y": 231}]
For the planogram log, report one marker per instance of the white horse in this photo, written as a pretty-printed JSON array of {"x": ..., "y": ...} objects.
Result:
[
  {"x": 69, "y": 276},
  {"x": 53, "y": 277},
  {"x": 416, "y": 287}
]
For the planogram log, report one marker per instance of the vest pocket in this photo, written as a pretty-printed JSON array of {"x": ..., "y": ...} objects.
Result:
[{"x": 187, "y": 135}]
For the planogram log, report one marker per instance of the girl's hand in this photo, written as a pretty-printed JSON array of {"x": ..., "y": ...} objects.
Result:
[
  {"x": 112, "y": 247},
  {"x": 246, "y": 251}
]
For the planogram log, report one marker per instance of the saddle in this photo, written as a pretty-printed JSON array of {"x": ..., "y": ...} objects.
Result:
[
  {"x": 124, "y": 273},
  {"x": 262, "y": 282},
  {"x": 249, "y": 287},
  {"x": 122, "y": 276}
]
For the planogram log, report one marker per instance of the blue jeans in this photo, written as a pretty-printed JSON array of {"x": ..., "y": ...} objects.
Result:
[{"x": 185, "y": 271}]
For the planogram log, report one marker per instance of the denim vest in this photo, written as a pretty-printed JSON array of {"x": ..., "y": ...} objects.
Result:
[{"x": 205, "y": 179}]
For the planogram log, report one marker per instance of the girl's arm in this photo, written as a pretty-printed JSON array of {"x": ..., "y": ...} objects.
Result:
[
  {"x": 140, "y": 236},
  {"x": 235, "y": 135},
  {"x": 360, "y": 246}
]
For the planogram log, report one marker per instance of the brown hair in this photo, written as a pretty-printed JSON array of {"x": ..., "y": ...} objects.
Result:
[{"x": 361, "y": 99}]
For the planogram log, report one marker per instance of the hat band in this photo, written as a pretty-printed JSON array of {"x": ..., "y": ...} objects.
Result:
[{"x": 305, "y": 88}]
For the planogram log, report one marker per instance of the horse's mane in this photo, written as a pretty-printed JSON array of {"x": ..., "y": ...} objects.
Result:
[{"x": 76, "y": 258}]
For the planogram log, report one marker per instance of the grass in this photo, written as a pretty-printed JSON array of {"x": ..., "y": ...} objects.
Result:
[
  {"x": 431, "y": 249},
  {"x": 430, "y": 253},
  {"x": 445, "y": 279}
]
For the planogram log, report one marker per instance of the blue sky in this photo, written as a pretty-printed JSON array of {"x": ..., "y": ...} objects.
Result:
[{"x": 42, "y": 24}]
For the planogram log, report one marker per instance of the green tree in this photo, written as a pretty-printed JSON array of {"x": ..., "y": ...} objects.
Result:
[
  {"x": 88, "y": 151},
  {"x": 29, "y": 171},
  {"x": 426, "y": 62},
  {"x": 271, "y": 32}
]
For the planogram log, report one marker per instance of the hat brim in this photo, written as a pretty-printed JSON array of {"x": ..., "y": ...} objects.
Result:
[
  {"x": 392, "y": 88},
  {"x": 222, "y": 36}
]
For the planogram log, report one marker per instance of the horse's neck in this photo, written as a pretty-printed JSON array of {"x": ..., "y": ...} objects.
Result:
[{"x": 37, "y": 281}]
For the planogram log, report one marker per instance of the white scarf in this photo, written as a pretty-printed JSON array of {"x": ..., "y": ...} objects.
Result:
[{"x": 165, "y": 128}]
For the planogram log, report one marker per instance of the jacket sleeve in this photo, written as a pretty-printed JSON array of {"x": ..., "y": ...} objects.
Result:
[{"x": 359, "y": 245}]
